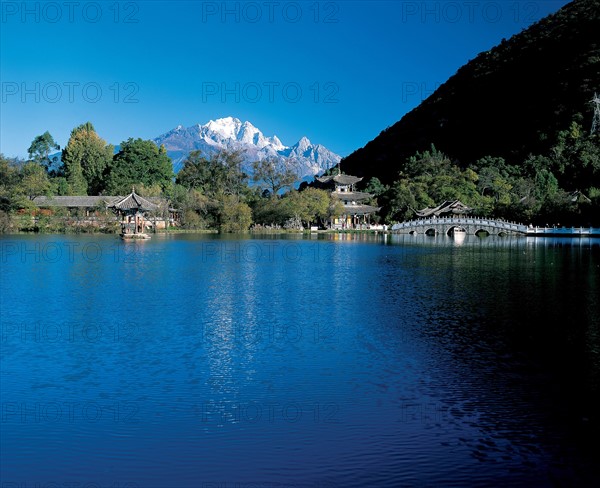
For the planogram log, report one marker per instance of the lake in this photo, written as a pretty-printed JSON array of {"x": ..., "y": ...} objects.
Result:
[{"x": 323, "y": 361}]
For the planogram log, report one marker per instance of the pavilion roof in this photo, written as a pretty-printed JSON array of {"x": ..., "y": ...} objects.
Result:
[
  {"x": 134, "y": 202},
  {"x": 453, "y": 207},
  {"x": 351, "y": 195},
  {"x": 340, "y": 179}
]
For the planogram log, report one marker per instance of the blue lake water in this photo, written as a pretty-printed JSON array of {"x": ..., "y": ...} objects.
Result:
[{"x": 331, "y": 361}]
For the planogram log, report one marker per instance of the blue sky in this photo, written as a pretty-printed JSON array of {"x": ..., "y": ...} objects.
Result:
[{"x": 338, "y": 72}]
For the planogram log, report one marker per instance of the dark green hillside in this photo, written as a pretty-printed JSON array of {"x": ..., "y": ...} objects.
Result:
[{"x": 509, "y": 102}]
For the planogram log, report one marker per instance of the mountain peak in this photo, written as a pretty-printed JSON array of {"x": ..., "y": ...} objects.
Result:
[
  {"x": 304, "y": 142},
  {"x": 233, "y": 134},
  {"x": 227, "y": 126}
]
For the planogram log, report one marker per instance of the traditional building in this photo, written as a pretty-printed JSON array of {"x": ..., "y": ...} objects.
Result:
[
  {"x": 132, "y": 210},
  {"x": 81, "y": 206},
  {"x": 355, "y": 214},
  {"x": 446, "y": 209},
  {"x": 98, "y": 210}
]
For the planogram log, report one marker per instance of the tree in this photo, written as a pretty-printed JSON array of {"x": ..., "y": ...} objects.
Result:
[
  {"x": 222, "y": 183},
  {"x": 310, "y": 205},
  {"x": 86, "y": 156},
  {"x": 375, "y": 187},
  {"x": 75, "y": 179},
  {"x": 139, "y": 162},
  {"x": 493, "y": 183},
  {"x": 404, "y": 197},
  {"x": 275, "y": 174},
  {"x": 270, "y": 211},
  {"x": 430, "y": 163},
  {"x": 40, "y": 149},
  {"x": 546, "y": 185},
  {"x": 196, "y": 172},
  {"x": 9, "y": 179},
  {"x": 235, "y": 216},
  {"x": 233, "y": 179},
  {"x": 576, "y": 158},
  {"x": 34, "y": 180}
]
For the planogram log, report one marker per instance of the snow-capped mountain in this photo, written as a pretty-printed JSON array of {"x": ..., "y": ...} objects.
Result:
[{"x": 233, "y": 134}]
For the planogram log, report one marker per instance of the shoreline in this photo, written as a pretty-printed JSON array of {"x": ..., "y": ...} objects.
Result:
[{"x": 573, "y": 232}]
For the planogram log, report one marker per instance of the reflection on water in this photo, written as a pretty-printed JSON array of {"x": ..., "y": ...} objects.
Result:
[{"x": 331, "y": 360}]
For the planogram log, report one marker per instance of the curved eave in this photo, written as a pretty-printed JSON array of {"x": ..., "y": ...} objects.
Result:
[{"x": 351, "y": 195}]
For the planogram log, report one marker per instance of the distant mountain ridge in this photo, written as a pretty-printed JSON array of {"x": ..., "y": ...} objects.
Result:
[
  {"x": 509, "y": 101},
  {"x": 232, "y": 134}
]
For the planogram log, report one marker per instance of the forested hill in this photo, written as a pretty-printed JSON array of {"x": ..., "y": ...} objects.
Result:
[{"x": 509, "y": 101}]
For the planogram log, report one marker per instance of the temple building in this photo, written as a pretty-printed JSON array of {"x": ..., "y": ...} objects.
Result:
[
  {"x": 132, "y": 209},
  {"x": 100, "y": 210},
  {"x": 355, "y": 215},
  {"x": 453, "y": 208}
]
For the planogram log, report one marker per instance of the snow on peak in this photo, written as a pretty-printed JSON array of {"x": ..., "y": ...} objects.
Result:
[
  {"x": 232, "y": 133},
  {"x": 227, "y": 127},
  {"x": 303, "y": 144},
  {"x": 277, "y": 144},
  {"x": 231, "y": 129}
]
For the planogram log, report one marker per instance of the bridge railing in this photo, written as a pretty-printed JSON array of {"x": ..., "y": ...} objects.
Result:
[{"x": 498, "y": 224}]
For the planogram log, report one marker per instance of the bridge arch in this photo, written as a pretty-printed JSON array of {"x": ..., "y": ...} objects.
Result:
[{"x": 449, "y": 231}]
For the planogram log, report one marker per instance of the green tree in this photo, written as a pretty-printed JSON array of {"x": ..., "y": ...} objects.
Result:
[
  {"x": 139, "y": 162},
  {"x": 491, "y": 182},
  {"x": 403, "y": 198},
  {"x": 576, "y": 157},
  {"x": 222, "y": 183},
  {"x": 75, "y": 179},
  {"x": 34, "y": 180},
  {"x": 235, "y": 216},
  {"x": 270, "y": 211},
  {"x": 86, "y": 157},
  {"x": 498, "y": 164},
  {"x": 310, "y": 205},
  {"x": 9, "y": 180},
  {"x": 233, "y": 180},
  {"x": 40, "y": 149},
  {"x": 546, "y": 185},
  {"x": 275, "y": 174},
  {"x": 430, "y": 163},
  {"x": 219, "y": 174},
  {"x": 196, "y": 209},
  {"x": 375, "y": 187},
  {"x": 60, "y": 185},
  {"x": 197, "y": 172}
]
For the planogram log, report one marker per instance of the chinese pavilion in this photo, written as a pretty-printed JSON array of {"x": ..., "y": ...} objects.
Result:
[
  {"x": 132, "y": 209},
  {"x": 355, "y": 214}
]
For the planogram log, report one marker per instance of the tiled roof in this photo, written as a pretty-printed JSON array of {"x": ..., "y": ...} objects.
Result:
[
  {"x": 75, "y": 201},
  {"x": 340, "y": 179},
  {"x": 134, "y": 201},
  {"x": 351, "y": 195},
  {"x": 454, "y": 207},
  {"x": 128, "y": 202}
]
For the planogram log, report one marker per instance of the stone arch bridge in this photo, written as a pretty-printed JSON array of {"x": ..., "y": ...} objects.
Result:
[{"x": 469, "y": 225}]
